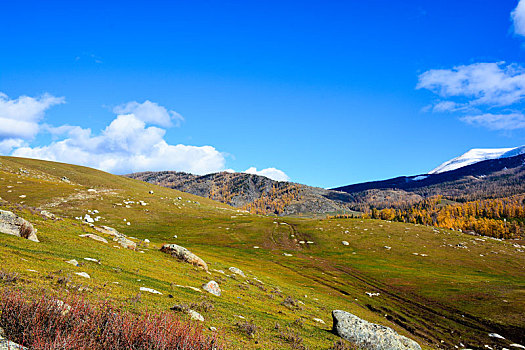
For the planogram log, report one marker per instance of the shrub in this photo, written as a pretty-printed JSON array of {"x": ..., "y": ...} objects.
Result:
[
  {"x": 295, "y": 340},
  {"x": 249, "y": 328},
  {"x": 8, "y": 277},
  {"x": 47, "y": 323}
]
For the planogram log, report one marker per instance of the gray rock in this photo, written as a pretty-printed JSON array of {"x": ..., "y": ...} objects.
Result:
[
  {"x": 118, "y": 237},
  {"x": 237, "y": 271},
  {"x": 9, "y": 345},
  {"x": 183, "y": 254},
  {"x": 212, "y": 287},
  {"x": 95, "y": 237},
  {"x": 48, "y": 214},
  {"x": 195, "y": 315},
  {"x": 12, "y": 224},
  {"x": 369, "y": 335}
]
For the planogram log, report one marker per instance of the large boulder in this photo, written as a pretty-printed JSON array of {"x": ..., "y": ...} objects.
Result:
[
  {"x": 12, "y": 224},
  {"x": 369, "y": 335},
  {"x": 183, "y": 254}
]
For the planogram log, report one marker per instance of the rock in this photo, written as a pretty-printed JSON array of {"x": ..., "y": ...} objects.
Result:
[
  {"x": 318, "y": 320},
  {"x": 72, "y": 262},
  {"x": 12, "y": 224},
  {"x": 95, "y": 237},
  {"x": 345, "y": 243},
  {"x": 48, "y": 214},
  {"x": 183, "y": 254},
  {"x": 82, "y": 274},
  {"x": 88, "y": 219},
  {"x": 213, "y": 329},
  {"x": 9, "y": 345},
  {"x": 237, "y": 271},
  {"x": 150, "y": 192},
  {"x": 118, "y": 237},
  {"x": 195, "y": 315},
  {"x": 369, "y": 335},
  {"x": 150, "y": 290},
  {"x": 212, "y": 287}
]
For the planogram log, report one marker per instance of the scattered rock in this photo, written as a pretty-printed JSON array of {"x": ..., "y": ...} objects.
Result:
[
  {"x": 345, "y": 243},
  {"x": 318, "y": 320},
  {"x": 150, "y": 290},
  {"x": 93, "y": 260},
  {"x": 150, "y": 192},
  {"x": 287, "y": 254},
  {"x": 12, "y": 224},
  {"x": 183, "y": 254},
  {"x": 237, "y": 271},
  {"x": 118, "y": 237},
  {"x": 212, "y": 287},
  {"x": 82, "y": 274},
  {"x": 496, "y": 335},
  {"x": 195, "y": 315},
  {"x": 189, "y": 287},
  {"x": 72, "y": 262},
  {"x": 369, "y": 335},
  {"x": 95, "y": 237},
  {"x": 48, "y": 214},
  {"x": 213, "y": 329}
]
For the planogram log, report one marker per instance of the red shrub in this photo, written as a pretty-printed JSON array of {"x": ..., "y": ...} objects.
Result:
[{"x": 49, "y": 324}]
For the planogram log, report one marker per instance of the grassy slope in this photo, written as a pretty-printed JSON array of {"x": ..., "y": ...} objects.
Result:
[{"x": 452, "y": 295}]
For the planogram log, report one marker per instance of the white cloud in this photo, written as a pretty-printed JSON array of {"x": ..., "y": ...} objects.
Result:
[
  {"x": 150, "y": 112},
  {"x": 127, "y": 145},
  {"x": 490, "y": 84},
  {"x": 19, "y": 118},
  {"x": 491, "y": 121},
  {"x": 272, "y": 173},
  {"x": 518, "y": 18}
]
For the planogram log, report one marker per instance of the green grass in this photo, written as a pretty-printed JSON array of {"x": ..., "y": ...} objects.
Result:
[{"x": 452, "y": 295}]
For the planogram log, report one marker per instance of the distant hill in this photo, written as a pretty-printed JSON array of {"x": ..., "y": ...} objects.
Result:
[
  {"x": 494, "y": 178},
  {"x": 254, "y": 193}
]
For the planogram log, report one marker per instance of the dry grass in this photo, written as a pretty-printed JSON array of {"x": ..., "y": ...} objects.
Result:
[{"x": 48, "y": 323}]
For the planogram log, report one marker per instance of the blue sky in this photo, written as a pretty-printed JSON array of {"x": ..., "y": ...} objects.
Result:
[{"x": 326, "y": 92}]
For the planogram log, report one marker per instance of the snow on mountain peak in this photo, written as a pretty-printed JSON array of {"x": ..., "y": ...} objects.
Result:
[{"x": 477, "y": 155}]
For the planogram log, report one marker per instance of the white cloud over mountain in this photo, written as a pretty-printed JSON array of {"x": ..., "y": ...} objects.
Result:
[
  {"x": 150, "y": 112},
  {"x": 272, "y": 173},
  {"x": 126, "y": 145}
]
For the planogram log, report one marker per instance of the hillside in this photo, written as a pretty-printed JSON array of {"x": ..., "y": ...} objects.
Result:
[
  {"x": 439, "y": 287},
  {"x": 494, "y": 178},
  {"x": 253, "y": 193}
]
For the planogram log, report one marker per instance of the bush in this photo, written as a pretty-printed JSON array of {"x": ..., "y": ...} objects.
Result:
[
  {"x": 47, "y": 323},
  {"x": 249, "y": 328}
]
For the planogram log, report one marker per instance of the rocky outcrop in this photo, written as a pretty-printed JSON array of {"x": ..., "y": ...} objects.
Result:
[
  {"x": 212, "y": 287},
  {"x": 118, "y": 237},
  {"x": 94, "y": 237},
  {"x": 369, "y": 335},
  {"x": 12, "y": 224},
  {"x": 183, "y": 254}
]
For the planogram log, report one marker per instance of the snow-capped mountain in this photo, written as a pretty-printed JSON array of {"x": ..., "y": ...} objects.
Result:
[{"x": 477, "y": 155}]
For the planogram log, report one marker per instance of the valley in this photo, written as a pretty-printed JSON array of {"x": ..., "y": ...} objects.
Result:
[{"x": 440, "y": 287}]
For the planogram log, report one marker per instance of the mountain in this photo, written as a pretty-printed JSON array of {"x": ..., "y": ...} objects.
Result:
[
  {"x": 254, "y": 193},
  {"x": 477, "y": 155},
  {"x": 492, "y": 178},
  {"x": 436, "y": 286}
]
